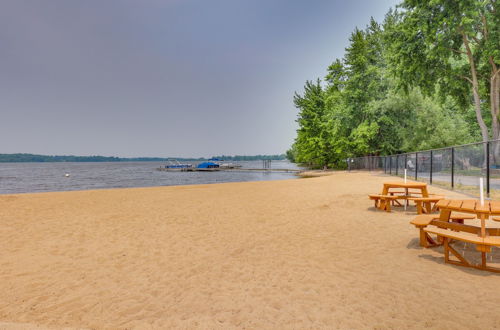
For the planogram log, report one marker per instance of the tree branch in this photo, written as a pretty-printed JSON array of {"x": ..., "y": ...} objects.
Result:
[
  {"x": 495, "y": 73},
  {"x": 485, "y": 27},
  {"x": 458, "y": 51},
  {"x": 466, "y": 78},
  {"x": 476, "y": 40}
]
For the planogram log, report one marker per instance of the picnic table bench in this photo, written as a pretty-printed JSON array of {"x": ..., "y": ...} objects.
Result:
[
  {"x": 422, "y": 221},
  {"x": 450, "y": 228},
  {"x": 383, "y": 202},
  {"x": 426, "y": 204}
]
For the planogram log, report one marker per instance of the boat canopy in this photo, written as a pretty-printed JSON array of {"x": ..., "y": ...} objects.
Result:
[{"x": 208, "y": 165}]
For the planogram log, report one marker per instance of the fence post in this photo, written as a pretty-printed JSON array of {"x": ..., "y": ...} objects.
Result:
[
  {"x": 416, "y": 166},
  {"x": 432, "y": 158},
  {"x": 488, "y": 169},
  {"x": 390, "y": 165},
  {"x": 452, "y": 168},
  {"x": 406, "y": 161},
  {"x": 397, "y": 164}
]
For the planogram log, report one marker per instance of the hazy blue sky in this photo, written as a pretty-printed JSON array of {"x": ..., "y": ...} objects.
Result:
[{"x": 164, "y": 77}]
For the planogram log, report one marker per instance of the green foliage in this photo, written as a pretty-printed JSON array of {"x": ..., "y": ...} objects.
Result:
[
  {"x": 313, "y": 142},
  {"x": 452, "y": 47},
  {"x": 403, "y": 85},
  {"x": 291, "y": 154}
]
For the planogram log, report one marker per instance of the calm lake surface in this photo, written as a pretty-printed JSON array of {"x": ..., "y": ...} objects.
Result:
[{"x": 38, "y": 177}]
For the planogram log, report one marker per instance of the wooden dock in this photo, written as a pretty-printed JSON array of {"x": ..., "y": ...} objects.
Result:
[{"x": 264, "y": 170}]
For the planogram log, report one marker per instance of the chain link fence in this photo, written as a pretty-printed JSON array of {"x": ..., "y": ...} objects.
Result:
[{"x": 457, "y": 167}]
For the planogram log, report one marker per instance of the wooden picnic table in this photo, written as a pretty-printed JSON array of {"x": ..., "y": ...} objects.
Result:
[
  {"x": 473, "y": 206},
  {"x": 422, "y": 186},
  {"x": 448, "y": 229}
]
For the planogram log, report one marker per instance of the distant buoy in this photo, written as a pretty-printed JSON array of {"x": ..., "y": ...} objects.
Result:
[{"x": 66, "y": 175}]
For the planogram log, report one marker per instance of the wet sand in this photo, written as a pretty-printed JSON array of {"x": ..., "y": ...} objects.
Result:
[{"x": 306, "y": 253}]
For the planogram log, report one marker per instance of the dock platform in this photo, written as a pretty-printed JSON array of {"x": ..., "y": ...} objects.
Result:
[{"x": 194, "y": 169}]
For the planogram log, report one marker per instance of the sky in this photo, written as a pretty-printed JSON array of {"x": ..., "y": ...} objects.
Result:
[{"x": 164, "y": 78}]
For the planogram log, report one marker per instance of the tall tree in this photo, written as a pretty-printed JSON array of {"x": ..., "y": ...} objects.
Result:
[
  {"x": 353, "y": 84},
  {"x": 364, "y": 111},
  {"x": 454, "y": 44},
  {"x": 312, "y": 144}
]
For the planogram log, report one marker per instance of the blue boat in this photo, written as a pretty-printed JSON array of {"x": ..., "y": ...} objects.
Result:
[{"x": 208, "y": 165}]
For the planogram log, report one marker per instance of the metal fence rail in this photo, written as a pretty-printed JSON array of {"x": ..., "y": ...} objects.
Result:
[{"x": 457, "y": 167}]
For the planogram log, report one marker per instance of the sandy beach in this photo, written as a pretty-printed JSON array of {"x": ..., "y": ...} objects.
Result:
[{"x": 304, "y": 253}]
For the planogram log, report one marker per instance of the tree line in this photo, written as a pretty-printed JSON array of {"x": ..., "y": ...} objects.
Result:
[
  {"x": 428, "y": 76},
  {"x": 33, "y": 158}
]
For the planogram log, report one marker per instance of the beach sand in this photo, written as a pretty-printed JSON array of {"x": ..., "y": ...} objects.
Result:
[{"x": 304, "y": 253}]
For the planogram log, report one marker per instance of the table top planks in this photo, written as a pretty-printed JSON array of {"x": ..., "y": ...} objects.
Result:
[
  {"x": 443, "y": 203},
  {"x": 470, "y": 206},
  {"x": 455, "y": 204},
  {"x": 495, "y": 207},
  {"x": 397, "y": 184}
]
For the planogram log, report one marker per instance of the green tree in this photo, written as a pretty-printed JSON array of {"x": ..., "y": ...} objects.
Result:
[
  {"x": 452, "y": 44},
  {"x": 313, "y": 136},
  {"x": 391, "y": 91},
  {"x": 353, "y": 84}
]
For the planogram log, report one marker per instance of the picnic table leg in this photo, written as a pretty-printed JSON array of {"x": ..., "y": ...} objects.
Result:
[
  {"x": 483, "y": 225},
  {"x": 406, "y": 200},
  {"x": 381, "y": 204},
  {"x": 388, "y": 205},
  {"x": 428, "y": 207},
  {"x": 435, "y": 207},
  {"x": 425, "y": 193},
  {"x": 446, "y": 248},
  {"x": 445, "y": 215},
  {"x": 423, "y": 237},
  {"x": 483, "y": 234},
  {"x": 419, "y": 207},
  {"x": 483, "y": 249}
]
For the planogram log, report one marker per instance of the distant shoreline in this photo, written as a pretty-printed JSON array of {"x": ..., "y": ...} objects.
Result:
[{"x": 34, "y": 158}]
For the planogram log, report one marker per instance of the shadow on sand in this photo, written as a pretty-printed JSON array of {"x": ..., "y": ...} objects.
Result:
[{"x": 467, "y": 250}]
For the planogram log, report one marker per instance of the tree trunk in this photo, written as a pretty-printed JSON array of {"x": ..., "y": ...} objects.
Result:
[
  {"x": 495, "y": 107},
  {"x": 494, "y": 98},
  {"x": 477, "y": 99},
  {"x": 475, "y": 90}
]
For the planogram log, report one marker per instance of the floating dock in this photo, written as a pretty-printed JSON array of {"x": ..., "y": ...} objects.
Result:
[{"x": 218, "y": 169}]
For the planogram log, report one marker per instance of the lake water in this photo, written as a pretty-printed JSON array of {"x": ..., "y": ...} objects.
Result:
[{"x": 38, "y": 177}]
